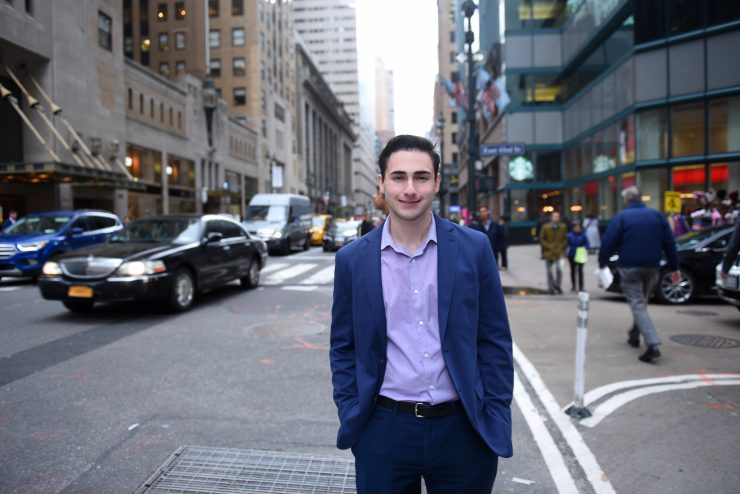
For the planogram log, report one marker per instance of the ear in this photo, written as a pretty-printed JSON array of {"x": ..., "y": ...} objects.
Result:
[
  {"x": 437, "y": 183},
  {"x": 380, "y": 183}
]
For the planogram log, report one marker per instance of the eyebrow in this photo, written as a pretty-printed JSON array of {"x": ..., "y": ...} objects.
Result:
[{"x": 416, "y": 173}]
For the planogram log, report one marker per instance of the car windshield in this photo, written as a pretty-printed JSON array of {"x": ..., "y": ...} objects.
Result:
[
  {"x": 267, "y": 213},
  {"x": 345, "y": 225},
  {"x": 38, "y": 224},
  {"x": 176, "y": 231},
  {"x": 692, "y": 238}
]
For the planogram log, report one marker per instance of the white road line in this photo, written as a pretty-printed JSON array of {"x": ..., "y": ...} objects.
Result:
[
  {"x": 300, "y": 288},
  {"x": 322, "y": 277},
  {"x": 273, "y": 267},
  {"x": 8, "y": 288},
  {"x": 612, "y": 404},
  {"x": 597, "y": 393},
  {"x": 553, "y": 457},
  {"x": 291, "y": 272},
  {"x": 581, "y": 451}
]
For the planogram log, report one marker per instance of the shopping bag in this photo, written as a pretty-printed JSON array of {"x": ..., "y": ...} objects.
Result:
[
  {"x": 581, "y": 255},
  {"x": 605, "y": 277}
]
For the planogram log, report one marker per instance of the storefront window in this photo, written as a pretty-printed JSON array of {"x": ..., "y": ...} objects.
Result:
[
  {"x": 521, "y": 205},
  {"x": 653, "y": 183},
  {"x": 725, "y": 176},
  {"x": 549, "y": 201},
  {"x": 652, "y": 134},
  {"x": 687, "y": 180},
  {"x": 517, "y": 85},
  {"x": 608, "y": 198},
  {"x": 627, "y": 140},
  {"x": 571, "y": 162},
  {"x": 724, "y": 125},
  {"x": 591, "y": 192},
  {"x": 548, "y": 167},
  {"x": 587, "y": 156},
  {"x": 687, "y": 122}
]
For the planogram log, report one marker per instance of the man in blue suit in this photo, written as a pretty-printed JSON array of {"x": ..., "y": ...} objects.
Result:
[{"x": 420, "y": 352}]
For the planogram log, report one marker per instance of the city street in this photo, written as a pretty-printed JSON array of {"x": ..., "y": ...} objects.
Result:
[{"x": 95, "y": 403}]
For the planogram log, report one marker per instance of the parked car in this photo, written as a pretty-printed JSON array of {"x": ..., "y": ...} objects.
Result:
[
  {"x": 319, "y": 224},
  {"x": 698, "y": 254},
  {"x": 729, "y": 288},
  {"x": 168, "y": 258},
  {"x": 281, "y": 220},
  {"x": 35, "y": 238},
  {"x": 340, "y": 233}
]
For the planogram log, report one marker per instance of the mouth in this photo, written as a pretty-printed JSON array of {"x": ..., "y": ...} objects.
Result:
[{"x": 409, "y": 202}]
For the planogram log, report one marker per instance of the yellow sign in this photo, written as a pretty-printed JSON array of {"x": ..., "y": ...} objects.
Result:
[{"x": 672, "y": 202}]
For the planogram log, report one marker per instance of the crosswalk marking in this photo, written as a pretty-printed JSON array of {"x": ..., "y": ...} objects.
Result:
[
  {"x": 322, "y": 277},
  {"x": 282, "y": 275},
  {"x": 273, "y": 267}
]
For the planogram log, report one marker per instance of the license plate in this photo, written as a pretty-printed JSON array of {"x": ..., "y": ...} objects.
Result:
[{"x": 80, "y": 292}]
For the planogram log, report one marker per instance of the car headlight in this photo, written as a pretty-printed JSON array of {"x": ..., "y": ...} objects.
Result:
[
  {"x": 32, "y": 246},
  {"x": 139, "y": 268},
  {"x": 51, "y": 269},
  {"x": 277, "y": 234}
]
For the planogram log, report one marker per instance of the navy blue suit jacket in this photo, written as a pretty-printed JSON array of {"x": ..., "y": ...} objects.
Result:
[{"x": 473, "y": 325}]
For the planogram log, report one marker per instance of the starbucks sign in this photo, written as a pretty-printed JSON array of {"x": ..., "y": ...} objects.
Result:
[{"x": 521, "y": 169}]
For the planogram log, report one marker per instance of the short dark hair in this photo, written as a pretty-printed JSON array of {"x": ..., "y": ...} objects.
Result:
[{"x": 405, "y": 142}]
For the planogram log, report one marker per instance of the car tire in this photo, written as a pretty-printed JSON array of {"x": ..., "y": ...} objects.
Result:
[
  {"x": 78, "y": 305},
  {"x": 306, "y": 243},
  {"x": 668, "y": 293},
  {"x": 182, "y": 290},
  {"x": 252, "y": 279}
]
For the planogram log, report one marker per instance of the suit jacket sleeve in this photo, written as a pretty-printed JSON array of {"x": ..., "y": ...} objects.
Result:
[
  {"x": 495, "y": 359},
  {"x": 342, "y": 341}
]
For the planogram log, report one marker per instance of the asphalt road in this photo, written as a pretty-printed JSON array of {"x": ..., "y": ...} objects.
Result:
[{"x": 94, "y": 403}]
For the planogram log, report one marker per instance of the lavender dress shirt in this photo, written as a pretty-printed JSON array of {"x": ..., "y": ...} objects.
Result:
[{"x": 416, "y": 370}]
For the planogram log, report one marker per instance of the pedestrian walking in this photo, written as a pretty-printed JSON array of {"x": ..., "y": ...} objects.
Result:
[
  {"x": 591, "y": 227},
  {"x": 578, "y": 246},
  {"x": 640, "y": 236},
  {"x": 367, "y": 224},
  {"x": 554, "y": 241},
  {"x": 486, "y": 226},
  {"x": 420, "y": 345},
  {"x": 502, "y": 245}
]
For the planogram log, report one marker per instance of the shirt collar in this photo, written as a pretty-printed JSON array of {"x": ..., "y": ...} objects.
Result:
[{"x": 386, "y": 240}]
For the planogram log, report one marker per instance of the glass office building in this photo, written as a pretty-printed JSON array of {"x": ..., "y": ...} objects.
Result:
[{"x": 608, "y": 93}]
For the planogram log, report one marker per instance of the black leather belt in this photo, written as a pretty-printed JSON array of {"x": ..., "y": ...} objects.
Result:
[{"x": 422, "y": 410}]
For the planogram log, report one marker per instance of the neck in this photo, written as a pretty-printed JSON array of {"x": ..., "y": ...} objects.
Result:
[{"x": 412, "y": 233}]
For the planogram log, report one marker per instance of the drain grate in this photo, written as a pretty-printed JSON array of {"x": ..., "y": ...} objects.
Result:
[
  {"x": 198, "y": 470},
  {"x": 706, "y": 341}
]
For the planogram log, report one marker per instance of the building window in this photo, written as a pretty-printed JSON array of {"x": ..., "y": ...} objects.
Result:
[
  {"x": 687, "y": 125},
  {"x": 652, "y": 134},
  {"x": 180, "y": 40},
  {"x": 215, "y": 67},
  {"x": 214, "y": 38},
  {"x": 105, "y": 33},
  {"x": 161, "y": 112},
  {"x": 685, "y": 16},
  {"x": 213, "y": 9},
  {"x": 141, "y": 104},
  {"x": 151, "y": 107},
  {"x": 454, "y": 117},
  {"x": 240, "y": 96},
  {"x": 724, "y": 125},
  {"x": 29, "y": 6},
  {"x": 237, "y": 36},
  {"x": 171, "y": 119},
  {"x": 237, "y": 7},
  {"x": 179, "y": 120},
  {"x": 180, "y": 11},
  {"x": 180, "y": 67},
  {"x": 239, "y": 66},
  {"x": 162, "y": 12},
  {"x": 130, "y": 99},
  {"x": 164, "y": 42},
  {"x": 653, "y": 182},
  {"x": 164, "y": 69}
]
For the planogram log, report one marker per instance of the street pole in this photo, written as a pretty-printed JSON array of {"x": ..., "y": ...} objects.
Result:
[
  {"x": 468, "y": 9},
  {"x": 441, "y": 126}
]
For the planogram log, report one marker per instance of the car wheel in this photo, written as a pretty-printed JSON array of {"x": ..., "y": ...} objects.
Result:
[
  {"x": 182, "y": 291},
  {"x": 78, "y": 305},
  {"x": 252, "y": 279},
  {"x": 306, "y": 244},
  {"x": 668, "y": 293}
]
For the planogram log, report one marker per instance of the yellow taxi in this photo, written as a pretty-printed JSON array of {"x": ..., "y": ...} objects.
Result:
[{"x": 319, "y": 223}]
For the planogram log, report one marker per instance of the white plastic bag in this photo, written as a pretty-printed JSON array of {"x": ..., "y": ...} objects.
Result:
[{"x": 605, "y": 277}]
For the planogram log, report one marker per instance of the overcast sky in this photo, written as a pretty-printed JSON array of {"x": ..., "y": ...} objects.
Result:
[{"x": 404, "y": 34}]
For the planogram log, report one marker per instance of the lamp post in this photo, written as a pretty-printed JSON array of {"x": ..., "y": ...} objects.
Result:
[
  {"x": 468, "y": 9},
  {"x": 441, "y": 129}
]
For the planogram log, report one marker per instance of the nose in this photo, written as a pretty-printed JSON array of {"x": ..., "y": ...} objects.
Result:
[{"x": 409, "y": 187}]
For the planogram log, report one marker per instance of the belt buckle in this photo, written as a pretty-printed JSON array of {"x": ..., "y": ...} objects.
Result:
[{"x": 416, "y": 410}]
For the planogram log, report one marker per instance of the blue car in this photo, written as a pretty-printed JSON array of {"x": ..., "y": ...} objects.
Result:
[{"x": 34, "y": 239}]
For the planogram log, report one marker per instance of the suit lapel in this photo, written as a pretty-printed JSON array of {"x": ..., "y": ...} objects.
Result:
[
  {"x": 447, "y": 249},
  {"x": 373, "y": 281}
]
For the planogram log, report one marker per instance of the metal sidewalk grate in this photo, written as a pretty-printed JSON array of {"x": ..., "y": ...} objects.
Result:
[{"x": 198, "y": 470}]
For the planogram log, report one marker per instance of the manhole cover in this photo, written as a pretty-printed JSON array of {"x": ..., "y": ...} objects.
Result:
[
  {"x": 287, "y": 329},
  {"x": 197, "y": 470},
  {"x": 700, "y": 313},
  {"x": 706, "y": 341}
]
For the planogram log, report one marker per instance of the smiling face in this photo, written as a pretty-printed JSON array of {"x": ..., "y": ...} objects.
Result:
[{"x": 409, "y": 185}]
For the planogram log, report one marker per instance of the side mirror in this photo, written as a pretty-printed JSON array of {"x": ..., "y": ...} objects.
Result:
[{"x": 214, "y": 237}]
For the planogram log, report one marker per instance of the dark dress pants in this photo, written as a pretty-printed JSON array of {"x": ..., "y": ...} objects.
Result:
[
  {"x": 501, "y": 254},
  {"x": 396, "y": 450}
]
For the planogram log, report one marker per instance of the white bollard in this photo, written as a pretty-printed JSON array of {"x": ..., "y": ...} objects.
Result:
[{"x": 578, "y": 410}]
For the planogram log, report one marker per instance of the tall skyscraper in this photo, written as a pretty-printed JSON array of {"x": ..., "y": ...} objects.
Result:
[
  {"x": 329, "y": 30},
  {"x": 384, "y": 108}
]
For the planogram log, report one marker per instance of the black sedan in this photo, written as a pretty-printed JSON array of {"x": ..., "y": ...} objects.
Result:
[
  {"x": 168, "y": 258},
  {"x": 698, "y": 254},
  {"x": 340, "y": 233}
]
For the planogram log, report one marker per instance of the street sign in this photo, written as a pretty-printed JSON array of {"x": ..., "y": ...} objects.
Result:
[
  {"x": 672, "y": 202},
  {"x": 501, "y": 149}
]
